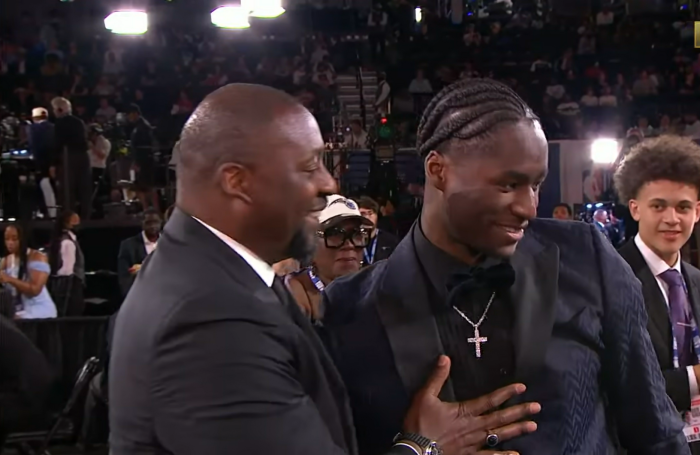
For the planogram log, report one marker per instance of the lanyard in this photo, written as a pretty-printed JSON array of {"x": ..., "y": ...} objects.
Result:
[
  {"x": 369, "y": 257},
  {"x": 316, "y": 281},
  {"x": 696, "y": 337}
]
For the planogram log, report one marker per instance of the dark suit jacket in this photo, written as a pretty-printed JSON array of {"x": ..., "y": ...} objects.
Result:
[
  {"x": 131, "y": 251},
  {"x": 580, "y": 340},
  {"x": 206, "y": 360},
  {"x": 386, "y": 244}
]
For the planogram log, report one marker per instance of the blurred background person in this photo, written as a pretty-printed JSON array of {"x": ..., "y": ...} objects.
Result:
[
  {"x": 563, "y": 212},
  {"x": 343, "y": 234},
  {"x": 41, "y": 138},
  {"x": 67, "y": 260},
  {"x": 72, "y": 153},
  {"x": 134, "y": 250},
  {"x": 142, "y": 153},
  {"x": 382, "y": 243},
  {"x": 25, "y": 272}
]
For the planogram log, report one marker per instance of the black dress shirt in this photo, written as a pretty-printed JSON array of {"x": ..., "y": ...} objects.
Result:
[{"x": 471, "y": 376}]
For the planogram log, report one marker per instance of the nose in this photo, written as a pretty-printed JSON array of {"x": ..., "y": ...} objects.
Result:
[
  {"x": 325, "y": 182},
  {"x": 525, "y": 203},
  {"x": 670, "y": 216}
]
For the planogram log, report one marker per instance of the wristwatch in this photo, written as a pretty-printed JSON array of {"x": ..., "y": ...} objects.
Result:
[{"x": 427, "y": 446}]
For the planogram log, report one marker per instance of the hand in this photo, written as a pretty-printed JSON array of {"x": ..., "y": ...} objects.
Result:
[
  {"x": 462, "y": 428},
  {"x": 134, "y": 269},
  {"x": 4, "y": 278},
  {"x": 52, "y": 172}
]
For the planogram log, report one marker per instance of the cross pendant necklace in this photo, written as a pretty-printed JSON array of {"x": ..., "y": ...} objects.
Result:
[{"x": 477, "y": 339}]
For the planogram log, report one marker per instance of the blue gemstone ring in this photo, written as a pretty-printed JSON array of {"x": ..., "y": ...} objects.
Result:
[{"x": 492, "y": 440}]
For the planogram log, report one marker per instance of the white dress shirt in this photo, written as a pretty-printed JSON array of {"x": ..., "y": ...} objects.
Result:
[
  {"x": 262, "y": 268},
  {"x": 68, "y": 256},
  {"x": 150, "y": 246},
  {"x": 657, "y": 267}
]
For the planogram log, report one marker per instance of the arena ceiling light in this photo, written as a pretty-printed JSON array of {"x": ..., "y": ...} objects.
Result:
[
  {"x": 605, "y": 151},
  {"x": 233, "y": 17},
  {"x": 265, "y": 9},
  {"x": 127, "y": 22}
]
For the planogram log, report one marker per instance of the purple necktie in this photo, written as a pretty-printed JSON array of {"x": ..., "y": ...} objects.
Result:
[{"x": 679, "y": 308}]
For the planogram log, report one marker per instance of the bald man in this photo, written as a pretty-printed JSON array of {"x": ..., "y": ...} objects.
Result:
[{"x": 211, "y": 355}]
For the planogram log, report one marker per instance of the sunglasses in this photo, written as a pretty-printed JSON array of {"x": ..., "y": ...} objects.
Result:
[{"x": 335, "y": 237}]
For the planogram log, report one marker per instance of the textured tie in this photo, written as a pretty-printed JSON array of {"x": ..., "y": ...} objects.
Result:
[{"x": 678, "y": 306}]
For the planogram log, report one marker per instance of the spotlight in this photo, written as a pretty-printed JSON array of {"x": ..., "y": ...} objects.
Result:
[
  {"x": 127, "y": 22},
  {"x": 604, "y": 151},
  {"x": 265, "y": 9},
  {"x": 234, "y": 17},
  {"x": 419, "y": 14}
]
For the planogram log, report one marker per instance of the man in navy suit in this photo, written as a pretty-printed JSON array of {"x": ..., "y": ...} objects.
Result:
[
  {"x": 553, "y": 306},
  {"x": 660, "y": 180}
]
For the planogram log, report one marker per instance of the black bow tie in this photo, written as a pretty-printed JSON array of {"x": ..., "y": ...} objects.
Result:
[{"x": 497, "y": 277}]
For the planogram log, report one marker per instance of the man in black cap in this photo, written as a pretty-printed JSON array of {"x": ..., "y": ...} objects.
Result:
[{"x": 142, "y": 149}]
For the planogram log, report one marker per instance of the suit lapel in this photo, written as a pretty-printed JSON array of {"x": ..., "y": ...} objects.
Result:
[
  {"x": 141, "y": 245},
  {"x": 408, "y": 320},
  {"x": 693, "y": 292},
  {"x": 534, "y": 296},
  {"x": 654, "y": 301}
]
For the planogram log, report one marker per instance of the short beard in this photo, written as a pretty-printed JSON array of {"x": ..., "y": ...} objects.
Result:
[{"x": 302, "y": 247}]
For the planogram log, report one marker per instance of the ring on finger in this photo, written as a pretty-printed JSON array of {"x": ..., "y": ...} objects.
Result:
[{"x": 492, "y": 440}]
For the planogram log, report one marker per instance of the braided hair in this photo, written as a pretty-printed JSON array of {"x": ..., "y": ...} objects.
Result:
[{"x": 469, "y": 109}]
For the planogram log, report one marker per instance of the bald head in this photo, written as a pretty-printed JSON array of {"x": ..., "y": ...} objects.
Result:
[{"x": 232, "y": 125}]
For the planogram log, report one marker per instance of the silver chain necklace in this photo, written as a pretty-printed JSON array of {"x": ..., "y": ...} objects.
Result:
[{"x": 477, "y": 339}]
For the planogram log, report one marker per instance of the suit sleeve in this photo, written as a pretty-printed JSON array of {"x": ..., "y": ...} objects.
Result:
[
  {"x": 646, "y": 420},
  {"x": 124, "y": 263},
  {"x": 239, "y": 394}
]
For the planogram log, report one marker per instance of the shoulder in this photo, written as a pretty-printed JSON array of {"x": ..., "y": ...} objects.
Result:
[
  {"x": 346, "y": 295},
  {"x": 692, "y": 272},
  {"x": 580, "y": 244},
  {"x": 37, "y": 256}
]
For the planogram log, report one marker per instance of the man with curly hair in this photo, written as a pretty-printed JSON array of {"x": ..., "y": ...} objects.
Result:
[{"x": 660, "y": 182}]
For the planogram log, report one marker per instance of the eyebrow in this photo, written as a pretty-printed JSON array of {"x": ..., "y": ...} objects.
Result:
[
  {"x": 664, "y": 201},
  {"x": 522, "y": 177}
]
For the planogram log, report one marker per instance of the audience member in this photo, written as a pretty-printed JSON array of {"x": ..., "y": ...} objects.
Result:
[
  {"x": 343, "y": 233},
  {"x": 134, "y": 250},
  {"x": 382, "y": 242},
  {"x": 67, "y": 260},
  {"x": 25, "y": 272}
]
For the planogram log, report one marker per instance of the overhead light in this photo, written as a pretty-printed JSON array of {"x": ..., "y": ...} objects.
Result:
[
  {"x": 605, "y": 151},
  {"x": 265, "y": 9},
  {"x": 127, "y": 22},
  {"x": 230, "y": 17},
  {"x": 419, "y": 14}
]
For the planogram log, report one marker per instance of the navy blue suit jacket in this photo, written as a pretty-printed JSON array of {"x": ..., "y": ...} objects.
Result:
[{"x": 580, "y": 340}]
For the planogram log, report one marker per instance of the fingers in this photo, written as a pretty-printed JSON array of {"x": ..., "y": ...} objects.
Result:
[
  {"x": 477, "y": 438},
  {"x": 509, "y": 415},
  {"x": 438, "y": 377},
  {"x": 485, "y": 403},
  {"x": 513, "y": 430}
]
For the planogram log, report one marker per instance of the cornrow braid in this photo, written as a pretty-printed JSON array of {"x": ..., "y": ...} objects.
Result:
[{"x": 469, "y": 109}]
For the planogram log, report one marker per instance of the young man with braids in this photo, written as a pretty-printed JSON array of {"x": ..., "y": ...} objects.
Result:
[
  {"x": 507, "y": 297},
  {"x": 660, "y": 181}
]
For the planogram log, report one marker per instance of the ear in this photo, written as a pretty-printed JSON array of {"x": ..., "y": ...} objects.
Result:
[
  {"x": 634, "y": 209},
  {"x": 697, "y": 211},
  {"x": 234, "y": 181},
  {"x": 435, "y": 169}
]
